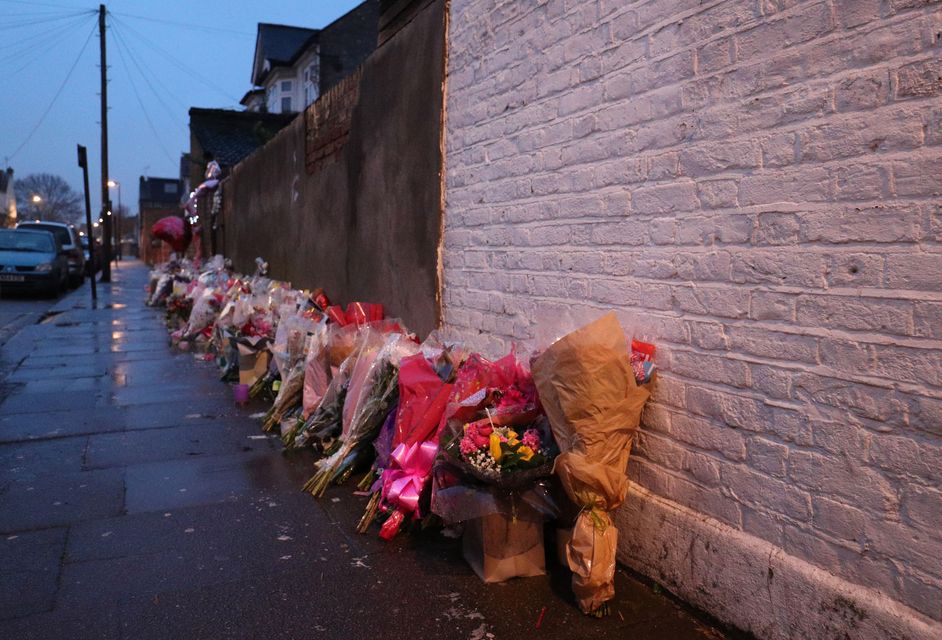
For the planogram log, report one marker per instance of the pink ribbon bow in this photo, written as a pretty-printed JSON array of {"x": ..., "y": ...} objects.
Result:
[{"x": 402, "y": 486}]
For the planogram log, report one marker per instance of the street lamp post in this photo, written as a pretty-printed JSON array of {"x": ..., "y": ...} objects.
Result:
[{"x": 117, "y": 221}]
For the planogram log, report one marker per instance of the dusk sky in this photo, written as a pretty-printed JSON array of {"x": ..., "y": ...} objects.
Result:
[{"x": 169, "y": 55}]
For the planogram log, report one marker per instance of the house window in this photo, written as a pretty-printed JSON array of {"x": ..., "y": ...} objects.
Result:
[
  {"x": 285, "y": 85},
  {"x": 169, "y": 187},
  {"x": 272, "y": 101},
  {"x": 286, "y": 104}
]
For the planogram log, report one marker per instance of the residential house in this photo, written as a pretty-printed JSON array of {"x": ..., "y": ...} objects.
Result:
[
  {"x": 157, "y": 198},
  {"x": 7, "y": 198},
  {"x": 293, "y": 66}
]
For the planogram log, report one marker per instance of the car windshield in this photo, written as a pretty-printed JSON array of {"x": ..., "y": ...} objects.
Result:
[
  {"x": 62, "y": 233},
  {"x": 25, "y": 241}
]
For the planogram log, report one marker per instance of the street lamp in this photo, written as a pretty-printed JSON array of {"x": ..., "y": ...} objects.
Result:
[
  {"x": 117, "y": 220},
  {"x": 37, "y": 200}
]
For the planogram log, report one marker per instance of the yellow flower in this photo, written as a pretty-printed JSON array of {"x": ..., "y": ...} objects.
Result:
[
  {"x": 512, "y": 438},
  {"x": 525, "y": 453},
  {"x": 496, "y": 453}
]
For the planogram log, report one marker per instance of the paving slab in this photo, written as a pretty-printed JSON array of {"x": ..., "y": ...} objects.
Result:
[
  {"x": 25, "y": 461},
  {"x": 61, "y": 499},
  {"x": 29, "y": 580}
]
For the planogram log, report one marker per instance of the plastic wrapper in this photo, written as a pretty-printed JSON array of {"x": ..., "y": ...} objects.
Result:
[
  {"x": 316, "y": 370},
  {"x": 362, "y": 377},
  {"x": 322, "y": 428},
  {"x": 504, "y": 394},
  {"x": 594, "y": 405},
  {"x": 205, "y": 309},
  {"x": 406, "y": 453},
  {"x": 423, "y": 397},
  {"x": 367, "y": 405},
  {"x": 289, "y": 396},
  {"x": 290, "y": 341}
]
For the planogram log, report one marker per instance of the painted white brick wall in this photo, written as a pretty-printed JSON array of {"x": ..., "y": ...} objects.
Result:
[{"x": 757, "y": 185}]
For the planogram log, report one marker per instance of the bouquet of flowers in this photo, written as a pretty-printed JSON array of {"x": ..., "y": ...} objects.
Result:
[
  {"x": 372, "y": 392},
  {"x": 178, "y": 311},
  {"x": 493, "y": 438},
  {"x": 207, "y": 304},
  {"x": 491, "y": 453},
  {"x": 405, "y": 456},
  {"x": 496, "y": 454},
  {"x": 593, "y": 401},
  {"x": 322, "y": 429},
  {"x": 289, "y": 349}
]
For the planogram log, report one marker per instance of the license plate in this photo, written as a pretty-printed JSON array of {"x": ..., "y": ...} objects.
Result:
[{"x": 4, "y": 277}]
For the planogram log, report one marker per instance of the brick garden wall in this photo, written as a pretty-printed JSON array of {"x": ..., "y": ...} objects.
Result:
[
  {"x": 348, "y": 196},
  {"x": 756, "y": 185}
]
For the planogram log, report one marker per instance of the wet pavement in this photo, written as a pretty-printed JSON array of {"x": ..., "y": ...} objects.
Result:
[{"x": 136, "y": 501}]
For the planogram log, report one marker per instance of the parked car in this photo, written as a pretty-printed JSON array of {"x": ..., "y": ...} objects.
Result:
[
  {"x": 32, "y": 259},
  {"x": 69, "y": 239},
  {"x": 90, "y": 268}
]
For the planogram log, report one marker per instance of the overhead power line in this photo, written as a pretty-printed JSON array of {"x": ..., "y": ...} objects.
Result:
[
  {"x": 31, "y": 3},
  {"x": 68, "y": 75},
  {"x": 140, "y": 102},
  {"x": 147, "y": 73},
  {"x": 26, "y": 56},
  {"x": 184, "y": 25},
  {"x": 175, "y": 61},
  {"x": 25, "y": 43},
  {"x": 36, "y": 21}
]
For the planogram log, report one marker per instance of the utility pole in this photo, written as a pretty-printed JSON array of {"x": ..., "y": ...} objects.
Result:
[
  {"x": 105, "y": 196},
  {"x": 83, "y": 162}
]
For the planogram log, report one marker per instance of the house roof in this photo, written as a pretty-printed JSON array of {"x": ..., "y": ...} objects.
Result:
[
  {"x": 232, "y": 135},
  {"x": 167, "y": 191},
  {"x": 252, "y": 93},
  {"x": 347, "y": 41},
  {"x": 279, "y": 45}
]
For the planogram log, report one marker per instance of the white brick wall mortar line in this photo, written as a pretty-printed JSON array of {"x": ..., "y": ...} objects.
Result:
[{"x": 752, "y": 583}]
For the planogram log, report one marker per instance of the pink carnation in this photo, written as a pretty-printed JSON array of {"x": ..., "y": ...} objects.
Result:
[
  {"x": 531, "y": 438},
  {"x": 467, "y": 446}
]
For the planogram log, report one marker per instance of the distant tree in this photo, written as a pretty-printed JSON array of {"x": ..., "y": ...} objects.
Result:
[{"x": 59, "y": 202}]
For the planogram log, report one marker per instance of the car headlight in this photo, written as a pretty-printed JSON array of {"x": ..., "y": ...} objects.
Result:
[{"x": 44, "y": 267}]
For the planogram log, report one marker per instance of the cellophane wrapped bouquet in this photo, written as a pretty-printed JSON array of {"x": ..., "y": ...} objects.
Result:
[
  {"x": 372, "y": 392},
  {"x": 408, "y": 442}
]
